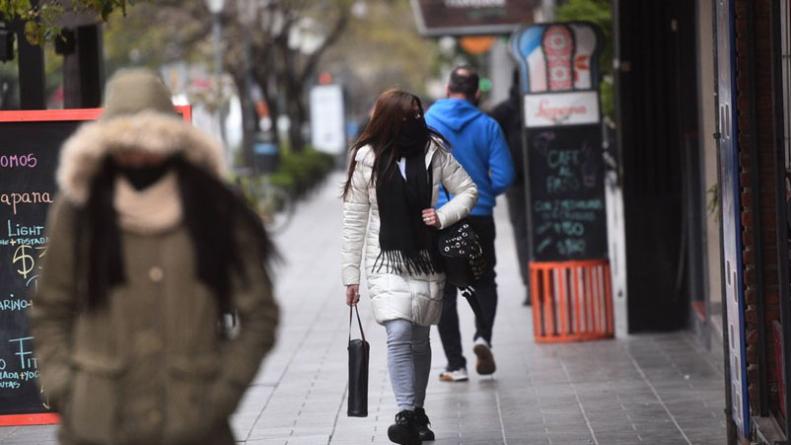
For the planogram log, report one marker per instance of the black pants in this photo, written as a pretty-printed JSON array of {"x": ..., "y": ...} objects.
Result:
[{"x": 485, "y": 294}]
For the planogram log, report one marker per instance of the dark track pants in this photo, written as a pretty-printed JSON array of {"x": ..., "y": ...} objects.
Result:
[{"x": 485, "y": 297}]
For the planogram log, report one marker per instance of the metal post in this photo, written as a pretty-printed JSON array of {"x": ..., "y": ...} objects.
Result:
[
  {"x": 218, "y": 70},
  {"x": 548, "y": 10},
  {"x": 217, "y": 39},
  {"x": 31, "y": 73},
  {"x": 83, "y": 68}
]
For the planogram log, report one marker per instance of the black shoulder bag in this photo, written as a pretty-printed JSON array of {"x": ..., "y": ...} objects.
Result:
[
  {"x": 359, "y": 351},
  {"x": 461, "y": 252}
]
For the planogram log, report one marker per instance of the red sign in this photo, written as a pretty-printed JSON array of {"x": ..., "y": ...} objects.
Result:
[{"x": 470, "y": 17}]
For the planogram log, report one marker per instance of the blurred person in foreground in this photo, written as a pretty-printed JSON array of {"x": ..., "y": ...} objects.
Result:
[
  {"x": 478, "y": 144},
  {"x": 389, "y": 205},
  {"x": 149, "y": 255},
  {"x": 508, "y": 114}
]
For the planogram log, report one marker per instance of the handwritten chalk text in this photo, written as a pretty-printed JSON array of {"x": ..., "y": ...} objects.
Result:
[
  {"x": 15, "y": 230},
  {"x": 15, "y": 161},
  {"x": 15, "y": 199}
]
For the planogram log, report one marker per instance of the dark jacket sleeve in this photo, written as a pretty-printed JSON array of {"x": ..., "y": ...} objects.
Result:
[
  {"x": 509, "y": 117},
  {"x": 258, "y": 316},
  {"x": 501, "y": 167},
  {"x": 54, "y": 305}
]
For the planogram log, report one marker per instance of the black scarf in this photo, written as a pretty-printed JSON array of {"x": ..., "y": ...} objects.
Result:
[
  {"x": 145, "y": 176},
  {"x": 407, "y": 244},
  {"x": 207, "y": 204}
]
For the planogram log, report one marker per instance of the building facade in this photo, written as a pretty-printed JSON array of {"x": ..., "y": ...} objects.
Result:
[{"x": 752, "y": 51}]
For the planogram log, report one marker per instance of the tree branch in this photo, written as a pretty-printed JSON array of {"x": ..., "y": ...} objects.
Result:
[{"x": 337, "y": 31}]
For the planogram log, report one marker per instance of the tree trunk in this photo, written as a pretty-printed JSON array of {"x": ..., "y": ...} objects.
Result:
[
  {"x": 263, "y": 79},
  {"x": 249, "y": 119},
  {"x": 291, "y": 85},
  {"x": 297, "y": 118}
]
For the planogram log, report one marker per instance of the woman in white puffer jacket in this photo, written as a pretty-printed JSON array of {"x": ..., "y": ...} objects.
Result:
[{"x": 394, "y": 179}]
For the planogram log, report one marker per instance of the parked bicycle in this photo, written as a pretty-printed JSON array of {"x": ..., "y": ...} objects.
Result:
[{"x": 273, "y": 204}]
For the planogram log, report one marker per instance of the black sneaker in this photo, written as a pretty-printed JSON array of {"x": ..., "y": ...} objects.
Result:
[
  {"x": 422, "y": 424},
  {"x": 405, "y": 429}
]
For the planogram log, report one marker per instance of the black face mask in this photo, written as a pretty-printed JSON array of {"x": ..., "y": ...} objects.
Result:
[
  {"x": 413, "y": 136},
  {"x": 145, "y": 176}
]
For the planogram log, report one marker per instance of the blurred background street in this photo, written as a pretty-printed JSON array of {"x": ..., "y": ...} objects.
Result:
[
  {"x": 657, "y": 389},
  {"x": 653, "y": 138}
]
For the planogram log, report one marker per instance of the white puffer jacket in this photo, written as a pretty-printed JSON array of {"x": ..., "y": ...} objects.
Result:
[{"x": 409, "y": 297}]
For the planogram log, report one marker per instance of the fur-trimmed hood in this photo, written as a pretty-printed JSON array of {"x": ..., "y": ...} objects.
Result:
[{"x": 153, "y": 132}]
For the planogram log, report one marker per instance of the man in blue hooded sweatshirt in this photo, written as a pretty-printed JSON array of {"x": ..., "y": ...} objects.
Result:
[{"x": 478, "y": 143}]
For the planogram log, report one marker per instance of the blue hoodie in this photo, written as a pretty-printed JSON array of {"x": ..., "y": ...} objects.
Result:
[{"x": 478, "y": 143}]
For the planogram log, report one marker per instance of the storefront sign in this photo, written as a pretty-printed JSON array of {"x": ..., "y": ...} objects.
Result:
[
  {"x": 327, "y": 119},
  {"x": 557, "y": 58},
  {"x": 562, "y": 123},
  {"x": 467, "y": 17},
  {"x": 557, "y": 109}
]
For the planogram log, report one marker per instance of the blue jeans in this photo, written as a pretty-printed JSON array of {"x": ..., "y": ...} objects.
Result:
[{"x": 408, "y": 361}]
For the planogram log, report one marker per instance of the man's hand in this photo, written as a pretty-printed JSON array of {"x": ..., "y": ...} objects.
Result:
[{"x": 352, "y": 294}]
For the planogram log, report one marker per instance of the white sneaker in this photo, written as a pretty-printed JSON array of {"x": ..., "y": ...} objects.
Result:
[
  {"x": 485, "y": 364},
  {"x": 457, "y": 375}
]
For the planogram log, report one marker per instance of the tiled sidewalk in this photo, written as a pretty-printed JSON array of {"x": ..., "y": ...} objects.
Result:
[{"x": 648, "y": 389}]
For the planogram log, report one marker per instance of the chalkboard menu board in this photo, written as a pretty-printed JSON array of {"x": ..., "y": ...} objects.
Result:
[
  {"x": 29, "y": 150},
  {"x": 567, "y": 208}
]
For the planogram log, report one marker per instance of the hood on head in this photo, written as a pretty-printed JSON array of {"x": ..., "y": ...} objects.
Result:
[
  {"x": 153, "y": 132},
  {"x": 135, "y": 90},
  {"x": 454, "y": 113},
  {"x": 138, "y": 114}
]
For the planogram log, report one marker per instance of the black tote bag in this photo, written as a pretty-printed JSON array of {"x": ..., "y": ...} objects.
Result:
[{"x": 359, "y": 351}]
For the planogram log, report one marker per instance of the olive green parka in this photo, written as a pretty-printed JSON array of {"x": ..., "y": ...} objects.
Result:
[{"x": 151, "y": 366}]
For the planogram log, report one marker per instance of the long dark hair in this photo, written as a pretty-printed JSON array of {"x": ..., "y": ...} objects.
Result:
[
  {"x": 212, "y": 213},
  {"x": 392, "y": 108}
]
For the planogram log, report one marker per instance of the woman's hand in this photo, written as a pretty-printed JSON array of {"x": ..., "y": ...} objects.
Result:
[
  {"x": 352, "y": 294},
  {"x": 430, "y": 218}
]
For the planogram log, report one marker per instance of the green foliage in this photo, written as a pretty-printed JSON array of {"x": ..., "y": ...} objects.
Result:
[
  {"x": 137, "y": 39},
  {"x": 42, "y": 22},
  {"x": 598, "y": 12},
  {"x": 299, "y": 171}
]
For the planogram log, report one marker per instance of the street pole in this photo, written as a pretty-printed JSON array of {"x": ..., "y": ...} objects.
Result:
[
  {"x": 217, "y": 38},
  {"x": 31, "y": 72},
  {"x": 548, "y": 10},
  {"x": 215, "y": 8},
  {"x": 248, "y": 13}
]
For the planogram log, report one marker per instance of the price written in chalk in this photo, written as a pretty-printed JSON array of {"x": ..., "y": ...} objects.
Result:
[
  {"x": 567, "y": 204},
  {"x": 25, "y": 260}
]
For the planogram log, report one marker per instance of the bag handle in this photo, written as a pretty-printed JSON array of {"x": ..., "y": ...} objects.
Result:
[{"x": 360, "y": 323}]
